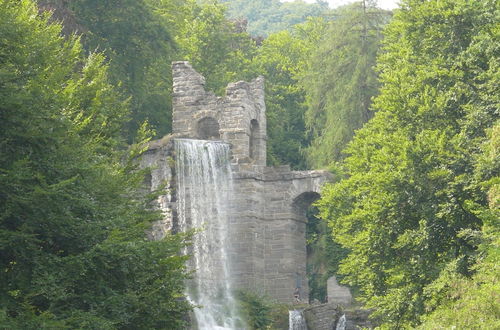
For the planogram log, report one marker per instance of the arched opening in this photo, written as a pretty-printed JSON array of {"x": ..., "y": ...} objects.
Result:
[
  {"x": 323, "y": 254},
  {"x": 303, "y": 209},
  {"x": 208, "y": 129},
  {"x": 302, "y": 203},
  {"x": 254, "y": 136}
]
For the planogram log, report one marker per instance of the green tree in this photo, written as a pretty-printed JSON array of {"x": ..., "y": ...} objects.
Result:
[
  {"x": 340, "y": 80},
  {"x": 270, "y": 16},
  {"x": 215, "y": 46},
  {"x": 403, "y": 209},
  {"x": 138, "y": 44},
  {"x": 472, "y": 302},
  {"x": 73, "y": 249},
  {"x": 282, "y": 59}
]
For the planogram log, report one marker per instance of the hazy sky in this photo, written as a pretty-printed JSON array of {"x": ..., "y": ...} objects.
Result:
[{"x": 386, "y": 4}]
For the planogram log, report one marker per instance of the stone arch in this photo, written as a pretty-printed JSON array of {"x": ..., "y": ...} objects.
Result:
[
  {"x": 254, "y": 139},
  {"x": 300, "y": 206},
  {"x": 208, "y": 128},
  {"x": 301, "y": 203}
]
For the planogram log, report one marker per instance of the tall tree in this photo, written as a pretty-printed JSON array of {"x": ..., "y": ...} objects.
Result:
[
  {"x": 404, "y": 207},
  {"x": 341, "y": 80},
  {"x": 282, "y": 59},
  {"x": 73, "y": 250},
  {"x": 139, "y": 47},
  {"x": 216, "y": 47},
  {"x": 472, "y": 302}
]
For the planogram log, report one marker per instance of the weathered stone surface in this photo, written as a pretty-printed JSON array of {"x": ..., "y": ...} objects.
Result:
[
  {"x": 267, "y": 211},
  {"x": 338, "y": 294},
  {"x": 358, "y": 319},
  {"x": 322, "y": 317},
  {"x": 159, "y": 159},
  {"x": 326, "y": 317}
]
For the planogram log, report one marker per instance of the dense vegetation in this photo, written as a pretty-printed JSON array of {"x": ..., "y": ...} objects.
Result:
[
  {"x": 412, "y": 207},
  {"x": 403, "y": 109},
  {"x": 341, "y": 81},
  {"x": 265, "y": 17},
  {"x": 73, "y": 248}
]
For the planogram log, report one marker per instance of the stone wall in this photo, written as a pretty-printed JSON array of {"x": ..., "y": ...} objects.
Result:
[
  {"x": 267, "y": 215},
  {"x": 358, "y": 319},
  {"x": 159, "y": 158},
  {"x": 270, "y": 225}
]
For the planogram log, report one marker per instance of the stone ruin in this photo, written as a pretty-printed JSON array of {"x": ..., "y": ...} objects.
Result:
[
  {"x": 268, "y": 206},
  {"x": 338, "y": 294}
]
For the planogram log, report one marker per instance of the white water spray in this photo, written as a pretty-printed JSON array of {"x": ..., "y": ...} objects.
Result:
[
  {"x": 204, "y": 186},
  {"x": 341, "y": 324},
  {"x": 296, "y": 320}
]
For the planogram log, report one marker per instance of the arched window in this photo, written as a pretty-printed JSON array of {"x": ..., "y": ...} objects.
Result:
[{"x": 208, "y": 129}]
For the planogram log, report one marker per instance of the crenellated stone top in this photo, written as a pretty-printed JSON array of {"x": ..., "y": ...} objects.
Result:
[{"x": 238, "y": 118}]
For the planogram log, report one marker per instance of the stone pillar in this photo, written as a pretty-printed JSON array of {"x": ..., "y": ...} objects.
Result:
[
  {"x": 258, "y": 93},
  {"x": 246, "y": 255},
  {"x": 236, "y": 126},
  {"x": 188, "y": 91},
  {"x": 244, "y": 122}
]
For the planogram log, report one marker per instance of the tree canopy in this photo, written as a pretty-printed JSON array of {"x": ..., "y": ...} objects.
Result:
[
  {"x": 73, "y": 248},
  {"x": 341, "y": 80},
  {"x": 269, "y": 16},
  {"x": 410, "y": 200}
]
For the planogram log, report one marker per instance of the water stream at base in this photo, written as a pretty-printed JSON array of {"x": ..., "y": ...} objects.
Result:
[
  {"x": 204, "y": 184},
  {"x": 341, "y": 324},
  {"x": 296, "y": 320}
]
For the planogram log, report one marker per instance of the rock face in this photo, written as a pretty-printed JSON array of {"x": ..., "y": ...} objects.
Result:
[
  {"x": 267, "y": 211},
  {"x": 338, "y": 294},
  {"x": 358, "y": 319},
  {"x": 322, "y": 317}
]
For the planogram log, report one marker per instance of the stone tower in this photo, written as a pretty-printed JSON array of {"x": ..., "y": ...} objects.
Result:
[
  {"x": 239, "y": 118},
  {"x": 268, "y": 221}
]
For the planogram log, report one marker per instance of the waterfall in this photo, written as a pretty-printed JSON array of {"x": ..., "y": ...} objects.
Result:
[
  {"x": 341, "y": 324},
  {"x": 296, "y": 320},
  {"x": 204, "y": 185}
]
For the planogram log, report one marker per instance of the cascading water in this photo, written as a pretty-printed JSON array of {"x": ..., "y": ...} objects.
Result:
[
  {"x": 296, "y": 320},
  {"x": 204, "y": 186},
  {"x": 341, "y": 324}
]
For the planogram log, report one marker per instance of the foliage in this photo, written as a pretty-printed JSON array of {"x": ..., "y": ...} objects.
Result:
[
  {"x": 138, "y": 46},
  {"x": 404, "y": 208},
  {"x": 341, "y": 81},
  {"x": 281, "y": 59},
  {"x": 270, "y": 16},
  {"x": 73, "y": 250},
  {"x": 262, "y": 313},
  {"x": 323, "y": 255},
  {"x": 215, "y": 46},
  {"x": 474, "y": 303}
]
